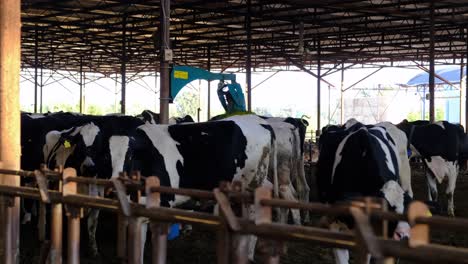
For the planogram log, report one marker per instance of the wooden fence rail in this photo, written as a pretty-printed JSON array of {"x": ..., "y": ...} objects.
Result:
[{"x": 229, "y": 224}]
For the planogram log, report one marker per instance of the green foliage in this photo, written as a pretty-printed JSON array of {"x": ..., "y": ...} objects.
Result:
[
  {"x": 187, "y": 103},
  {"x": 61, "y": 107},
  {"x": 439, "y": 115}
]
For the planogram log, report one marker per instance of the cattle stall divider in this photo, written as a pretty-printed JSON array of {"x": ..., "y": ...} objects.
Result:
[{"x": 232, "y": 223}]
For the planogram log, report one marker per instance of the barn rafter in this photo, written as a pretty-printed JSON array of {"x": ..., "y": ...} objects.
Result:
[{"x": 374, "y": 31}]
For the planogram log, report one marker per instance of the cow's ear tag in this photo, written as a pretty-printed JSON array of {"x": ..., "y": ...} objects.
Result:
[{"x": 66, "y": 144}]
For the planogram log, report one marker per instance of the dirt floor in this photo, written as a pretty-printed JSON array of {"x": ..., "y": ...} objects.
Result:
[{"x": 199, "y": 246}]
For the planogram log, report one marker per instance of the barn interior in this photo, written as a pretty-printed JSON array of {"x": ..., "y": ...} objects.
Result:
[{"x": 121, "y": 38}]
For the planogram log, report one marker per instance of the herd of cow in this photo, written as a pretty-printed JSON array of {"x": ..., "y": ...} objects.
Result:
[{"x": 355, "y": 159}]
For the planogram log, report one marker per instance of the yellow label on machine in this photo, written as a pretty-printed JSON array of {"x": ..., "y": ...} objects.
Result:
[{"x": 181, "y": 75}]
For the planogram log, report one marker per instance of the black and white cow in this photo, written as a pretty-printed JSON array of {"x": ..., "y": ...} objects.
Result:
[
  {"x": 357, "y": 161},
  {"x": 191, "y": 155},
  {"x": 401, "y": 143},
  {"x": 96, "y": 149},
  {"x": 201, "y": 155},
  {"x": 292, "y": 183},
  {"x": 34, "y": 128},
  {"x": 151, "y": 117},
  {"x": 443, "y": 147}
]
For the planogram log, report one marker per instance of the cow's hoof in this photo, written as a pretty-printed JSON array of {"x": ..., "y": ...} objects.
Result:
[{"x": 451, "y": 213}]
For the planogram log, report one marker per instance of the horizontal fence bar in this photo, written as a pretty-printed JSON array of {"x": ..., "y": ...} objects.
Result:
[
  {"x": 454, "y": 224},
  {"x": 313, "y": 207},
  {"x": 30, "y": 174},
  {"x": 182, "y": 191},
  {"x": 431, "y": 253},
  {"x": 300, "y": 233}
]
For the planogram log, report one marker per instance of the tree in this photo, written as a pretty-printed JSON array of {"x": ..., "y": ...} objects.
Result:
[
  {"x": 187, "y": 103},
  {"x": 439, "y": 115}
]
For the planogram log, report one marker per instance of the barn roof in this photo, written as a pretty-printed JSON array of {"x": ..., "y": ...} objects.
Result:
[
  {"x": 450, "y": 74},
  {"x": 62, "y": 34}
]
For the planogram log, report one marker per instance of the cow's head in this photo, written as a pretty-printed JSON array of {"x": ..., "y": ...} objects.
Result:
[
  {"x": 81, "y": 145},
  {"x": 149, "y": 116}
]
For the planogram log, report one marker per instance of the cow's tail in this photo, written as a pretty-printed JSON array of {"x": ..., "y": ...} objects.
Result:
[{"x": 274, "y": 164}]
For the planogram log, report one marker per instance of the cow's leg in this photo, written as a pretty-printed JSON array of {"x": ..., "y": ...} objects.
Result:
[
  {"x": 341, "y": 255},
  {"x": 92, "y": 226},
  {"x": 432, "y": 194},
  {"x": 452, "y": 180},
  {"x": 287, "y": 192},
  {"x": 144, "y": 230},
  {"x": 303, "y": 188},
  {"x": 251, "y": 239}
]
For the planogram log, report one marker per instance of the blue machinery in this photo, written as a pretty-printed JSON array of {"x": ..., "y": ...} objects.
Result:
[{"x": 230, "y": 94}]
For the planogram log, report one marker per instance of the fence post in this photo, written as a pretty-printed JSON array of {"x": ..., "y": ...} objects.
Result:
[
  {"x": 269, "y": 249},
  {"x": 135, "y": 245},
  {"x": 122, "y": 219},
  {"x": 419, "y": 234},
  {"x": 239, "y": 242},
  {"x": 41, "y": 222},
  {"x": 367, "y": 241},
  {"x": 73, "y": 214},
  {"x": 228, "y": 220},
  {"x": 56, "y": 228},
  {"x": 158, "y": 230}
]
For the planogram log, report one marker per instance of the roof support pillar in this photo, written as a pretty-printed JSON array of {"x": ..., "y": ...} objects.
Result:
[
  {"x": 431, "y": 67},
  {"x": 41, "y": 86},
  {"x": 461, "y": 120},
  {"x": 10, "y": 148},
  {"x": 36, "y": 64},
  {"x": 165, "y": 11},
  {"x": 123, "y": 67},
  {"x": 81, "y": 85},
  {"x": 342, "y": 95},
  {"x": 208, "y": 110},
  {"x": 248, "y": 63},
  {"x": 319, "y": 81},
  {"x": 466, "y": 85}
]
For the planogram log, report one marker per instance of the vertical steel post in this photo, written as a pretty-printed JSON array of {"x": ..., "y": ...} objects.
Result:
[
  {"x": 248, "y": 63},
  {"x": 329, "y": 104},
  {"x": 208, "y": 111},
  {"x": 431, "y": 66},
  {"x": 466, "y": 84},
  {"x": 123, "y": 68},
  {"x": 10, "y": 148},
  {"x": 342, "y": 95},
  {"x": 460, "y": 120},
  {"x": 36, "y": 64},
  {"x": 41, "y": 86},
  {"x": 81, "y": 84},
  {"x": 165, "y": 11},
  {"x": 319, "y": 79}
]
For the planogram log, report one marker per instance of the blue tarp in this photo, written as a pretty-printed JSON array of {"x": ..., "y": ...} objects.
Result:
[{"x": 451, "y": 74}]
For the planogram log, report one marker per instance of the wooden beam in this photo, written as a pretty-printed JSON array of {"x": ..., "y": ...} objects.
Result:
[{"x": 10, "y": 148}]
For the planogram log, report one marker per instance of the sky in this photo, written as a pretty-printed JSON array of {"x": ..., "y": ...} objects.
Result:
[{"x": 295, "y": 90}]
